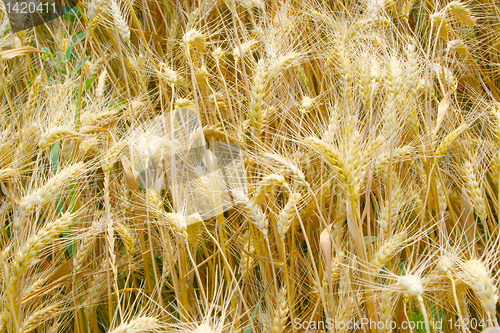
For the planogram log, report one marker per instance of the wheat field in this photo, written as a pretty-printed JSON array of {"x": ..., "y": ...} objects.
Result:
[{"x": 251, "y": 166}]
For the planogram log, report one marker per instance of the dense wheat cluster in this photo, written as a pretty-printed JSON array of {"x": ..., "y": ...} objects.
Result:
[{"x": 364, "y": 180}]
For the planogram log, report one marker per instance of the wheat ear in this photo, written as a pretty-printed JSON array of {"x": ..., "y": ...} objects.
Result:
[
  {"x": 449, "y": 139},
  {"x": 24, "y": 257},
  {"x": 461, "y": 12},
  {"x": 57, "y": 133},
  {"x": 387, "y": 310},
  {"x": 287, "y": 214},
  {"x": 412, "y": 286},
  {"x": 327, "y": 152},
  {"x": 48, "y": 191},
  {"x": 479, "y": 277},
  {"x": 257, "y": 95},
  {"x": 475, "y": 192},
  {"x": 83, "y": 249},
  {"x": 119, "y": 21},
  {"x": 127, "y": 238},
  {"x": 138, "y": 325},
  {"x": 398, "y": 154},
  {"x": 38, "y": 317},
  {"x": 266, "y": 185},
  {"x": 281, "y": 313},
  {"x": 297, "y": 173},
  {"x": 388, "y": 249},
  {"x": 254, "y": 212}
]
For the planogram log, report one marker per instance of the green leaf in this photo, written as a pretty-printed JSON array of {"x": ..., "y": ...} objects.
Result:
[
  {"x": 89, "y": 82},
  {"x": 72, "y": 196},
  {"x": 373, "y": 239},
  {"x": 71, "y": 246},
  {"x": 54, "y": 153},
  {"x": 118, "y": 103},
  {"x": 68, "y": 15},
  {"x": 60, "y": 70},
  {"x": 47, "y": 53},
  {"x": 418, "y": 322},
  {"x": 102, "y": 316},
  {"x": 69, "y": 51},
  {"x": 78, "y": 38},
  {"x": 140, "y": 167},
  {"x": 254, "y": 313},
  {"x": 81, "y": 62}
]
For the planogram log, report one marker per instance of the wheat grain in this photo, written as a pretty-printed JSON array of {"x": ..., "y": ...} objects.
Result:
[
  {"x": 154, "y": 203},
  {"x": 395, "y": 77},
  {"x": 255, "y": 113},
  {"x": 297, "y": 173},
  {"x": 283, "y": 62},
  {"x": 171, "y": 77},
  {"x": 246, "y": 47},
  {"x": 307, "y": 104},
  {"x": 386, "y": 310},
  {"x": 328, "y": 152},
  {"x": 84, "y": 249},
  {"x": 183, "y": 102},
  {"x": 93, "y": 7},
  {"x": 458, "y": 46},
  {"x": 440, "y": 23},
  {"x": 280, "y": 313},
  {"x": 127, "y": 238}
]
